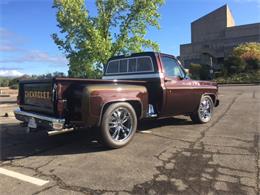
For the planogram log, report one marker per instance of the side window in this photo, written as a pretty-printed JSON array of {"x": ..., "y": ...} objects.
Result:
[
  {"x": 113, "y": 67},
  {"x": 123, "y": 66},
  {"x": 132, "y": 65},
  {"x": 144, "y": 64},
  {"x": 172, "y": 67}
]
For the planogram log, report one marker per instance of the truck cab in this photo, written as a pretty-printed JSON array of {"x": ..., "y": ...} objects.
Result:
[
  {"x": 170, "y": 89},
  {"x": 135, "y": 87}
]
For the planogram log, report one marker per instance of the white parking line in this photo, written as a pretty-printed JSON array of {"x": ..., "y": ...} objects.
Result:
[{"x": 33, "y": 180}]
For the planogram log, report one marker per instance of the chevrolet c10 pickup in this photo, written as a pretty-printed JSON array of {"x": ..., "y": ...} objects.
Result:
[{"x": 140, "y": 86}]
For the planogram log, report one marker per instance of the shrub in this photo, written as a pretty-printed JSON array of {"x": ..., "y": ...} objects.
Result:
[
  {"x": 14, "y": 86},
  {"x": 4, "y": 82},
  {"x": 249, "y": 53},
  {"x": 253, "y": 77},
  {"x": 234, "y": 65},
  {"x": 205, "y": 73},
  {"x": 252, "y": 64},
  {"x": 200, "y": 72},
  {"x": 195, "y": 71}
]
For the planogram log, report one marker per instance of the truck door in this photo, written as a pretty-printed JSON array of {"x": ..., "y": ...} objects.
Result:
[{"x": 179, "y": 91}]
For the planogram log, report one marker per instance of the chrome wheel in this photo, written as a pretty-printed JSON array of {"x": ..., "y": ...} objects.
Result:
[
  {"x": 205, "y": 109},
  {"x": 120, "y": 124}
]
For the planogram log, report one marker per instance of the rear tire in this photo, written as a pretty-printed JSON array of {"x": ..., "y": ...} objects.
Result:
[
  {"x": 204, "y": 112},
  {"x": 118, "y": 125}
]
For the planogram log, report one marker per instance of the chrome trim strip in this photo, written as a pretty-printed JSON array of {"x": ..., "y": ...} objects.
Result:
[
  {"x": 187, "y": 87},
  {"x": 134, "y": 76},
  {"x": 42, "y": 117}
]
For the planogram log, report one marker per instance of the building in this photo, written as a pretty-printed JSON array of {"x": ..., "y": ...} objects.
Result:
[{"x": 214, "y": 36}]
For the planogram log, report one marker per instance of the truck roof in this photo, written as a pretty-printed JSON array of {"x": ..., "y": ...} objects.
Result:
[{"x": 146, "y": 53}]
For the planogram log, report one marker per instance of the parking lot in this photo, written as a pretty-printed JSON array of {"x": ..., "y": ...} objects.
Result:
[{"x": 166, "y": 156}]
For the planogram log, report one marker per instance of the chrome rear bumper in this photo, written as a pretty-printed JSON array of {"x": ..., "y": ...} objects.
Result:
[{"x": 41, "y": 120}]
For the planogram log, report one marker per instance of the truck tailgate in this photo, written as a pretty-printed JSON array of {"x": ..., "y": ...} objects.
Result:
[{"x": 37, "y": 96}]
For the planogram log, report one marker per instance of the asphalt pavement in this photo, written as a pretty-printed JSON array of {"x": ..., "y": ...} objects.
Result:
[{"x": 166, "y": 156}]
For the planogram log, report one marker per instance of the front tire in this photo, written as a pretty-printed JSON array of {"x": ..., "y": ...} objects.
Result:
[
  {"x": 118, "y": 126},
  {"x": 204, "y": 112}
]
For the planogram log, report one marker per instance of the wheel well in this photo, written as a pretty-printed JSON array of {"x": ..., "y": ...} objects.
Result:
[
  {"x": 137, "y": 107},
  {"x": 134, "y": 103},
  {"x": 212, "y": 97}
]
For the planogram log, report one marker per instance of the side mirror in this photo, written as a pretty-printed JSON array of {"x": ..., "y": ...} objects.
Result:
[
  {"x": 187, "y": 71},
  {"x": 181, "y": 77}
]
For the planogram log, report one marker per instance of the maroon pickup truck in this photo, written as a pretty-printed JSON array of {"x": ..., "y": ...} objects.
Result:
[{"x": 140, "y": 86}]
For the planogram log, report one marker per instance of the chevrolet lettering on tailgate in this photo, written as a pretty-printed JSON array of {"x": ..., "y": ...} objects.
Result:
[{"x": 38, "y": 94}]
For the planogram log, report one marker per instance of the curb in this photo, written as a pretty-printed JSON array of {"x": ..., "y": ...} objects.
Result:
[
  {"x": 4, "y": 95},
  {"x": 238, "y": 84},
  {"x": 7, "y": 114},
  {"x": 8, "y": 104}
]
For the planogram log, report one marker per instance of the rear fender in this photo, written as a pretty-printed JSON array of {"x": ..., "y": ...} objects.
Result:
[
  {"x": 96, "y": 98},
  {"x": 135, "y": 103}
]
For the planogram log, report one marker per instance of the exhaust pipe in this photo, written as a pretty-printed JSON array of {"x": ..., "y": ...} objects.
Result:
[{"x": 56, "y": 132}]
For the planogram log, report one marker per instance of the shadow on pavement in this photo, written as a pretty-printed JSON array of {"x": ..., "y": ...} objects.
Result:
[
  {"x": 151, "y": 124},
  {"x": 15, "y": 143}
]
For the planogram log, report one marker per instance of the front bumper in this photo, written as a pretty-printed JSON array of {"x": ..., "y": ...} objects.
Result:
[{"x": 50, "y": 123}]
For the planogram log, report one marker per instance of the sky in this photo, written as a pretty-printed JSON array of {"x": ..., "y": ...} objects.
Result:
[{"x": 26, "y": 46}]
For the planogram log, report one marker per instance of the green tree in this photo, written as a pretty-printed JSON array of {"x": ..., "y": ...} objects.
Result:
[
  {"x": 199, "y": 72},
  {"x": 4, "y": 82},
  {"x": 195, "y": 70},
  {"x": 118, "y": 28},
  {"x": 250, "y": 53},
  {"x": 234, "y": 65},
  {"x": 58, "y": 74},
  {"x": 13, "y": 83}
]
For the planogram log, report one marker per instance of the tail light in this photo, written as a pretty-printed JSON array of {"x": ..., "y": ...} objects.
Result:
[
  {"x": 61, "y": 106},
  {"x": 18, "y": 100}
]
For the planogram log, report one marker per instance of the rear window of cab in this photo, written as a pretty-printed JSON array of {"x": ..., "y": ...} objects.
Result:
[{"x": 130, "y": 65}]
